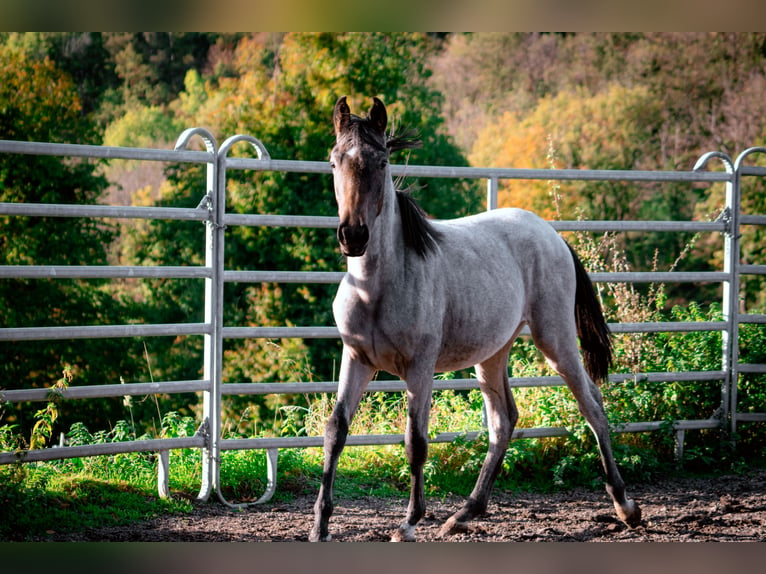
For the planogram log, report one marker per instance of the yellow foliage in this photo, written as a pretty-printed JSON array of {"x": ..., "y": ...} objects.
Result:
[{"x": 573, "y": 130}]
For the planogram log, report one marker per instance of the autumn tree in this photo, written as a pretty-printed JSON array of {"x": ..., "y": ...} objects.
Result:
[
  {"x": 40, "y": 103},
  {"x": 613, "y": 130}
]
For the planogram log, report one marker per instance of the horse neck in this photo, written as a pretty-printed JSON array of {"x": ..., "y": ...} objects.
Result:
[{"x": 383, "y": 258}]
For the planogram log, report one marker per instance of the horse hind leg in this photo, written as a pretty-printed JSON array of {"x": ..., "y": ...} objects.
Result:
[
  {"x": 559, "y": 346},
  {"x": 502, "y": 415}
]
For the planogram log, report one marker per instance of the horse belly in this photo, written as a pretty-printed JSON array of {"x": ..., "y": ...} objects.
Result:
[{"x": 476, "y": 338}]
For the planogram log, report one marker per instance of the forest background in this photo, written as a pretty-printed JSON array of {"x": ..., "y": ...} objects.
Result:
[{"x": 597, "y": 101}]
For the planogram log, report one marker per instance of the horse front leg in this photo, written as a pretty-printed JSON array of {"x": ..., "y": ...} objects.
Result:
[
  {"x": 354, "y": 377},
  {"x": 416, "y": 448}
]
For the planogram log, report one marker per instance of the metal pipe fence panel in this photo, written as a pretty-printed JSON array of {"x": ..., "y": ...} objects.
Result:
[
  {"x": 105, "y": 211},
  {"x": 212, "y": 212}
]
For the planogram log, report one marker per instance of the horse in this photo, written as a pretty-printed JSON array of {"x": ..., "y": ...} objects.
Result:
[{"x": 422, "y": 296}]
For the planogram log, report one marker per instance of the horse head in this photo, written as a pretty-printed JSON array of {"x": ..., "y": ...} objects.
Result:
[{"x": 359, "y": 163}]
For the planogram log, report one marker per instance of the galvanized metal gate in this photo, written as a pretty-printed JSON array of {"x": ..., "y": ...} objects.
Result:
[{"x": 212, "y": 211}]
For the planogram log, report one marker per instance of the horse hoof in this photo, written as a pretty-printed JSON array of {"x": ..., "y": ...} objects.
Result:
[
  {"x": 630, "y": 514},
  {"x": 405, "y": 533},
  {"x": 315, "y": 537},
  {"x": 452, "y": 526}
]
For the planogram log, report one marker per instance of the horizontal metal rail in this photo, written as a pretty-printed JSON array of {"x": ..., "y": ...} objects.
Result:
[
  {"x": 105, "y": 211},
  {"x": 311, "y": 387},
  {"x": 668, "y": 327},
  {"x": 314, "y": 332},
  {"x": 103, "y": 272},
  {"x": 244, "y": 389},
  {"x": 199, "y": 272},
  {"x": 315, "y": 221},
  {"x": 661, "y": 277},
  {"x": 331, "y": 222},
  {"x": 753, "y": 369},
  {"x": 448, "y": 437},
  {"x": 752, "y": 219},
  {"x": 105, "y": 391},
  {"x": 752, "y": 269},
  {"x": 376, "y": 439},
  {"x": 100, "y": 449},
  {"x": 104, "y": 331},
  {"x": 458, "y": 172},
  {"x": 281, "y": 333},
  {"x": 643, "y": 226},
  {"x": 105, "y": 152},
  {"x": 283, "y": 276},
  {"x": 751, "y": 417}
]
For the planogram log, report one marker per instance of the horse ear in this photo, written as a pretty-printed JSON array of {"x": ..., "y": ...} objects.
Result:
[
  {"x": 378, "y": 115},
  {"x": 341, "y": 115}
]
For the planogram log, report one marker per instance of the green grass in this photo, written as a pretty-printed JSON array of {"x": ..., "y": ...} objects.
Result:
[{"x": 47, "y": 501}]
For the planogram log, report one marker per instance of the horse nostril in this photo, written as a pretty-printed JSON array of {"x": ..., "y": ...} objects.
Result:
[
  {"x": 342, "y": 233},
  {"x": 363, "y": 234},
  {"x": 354, "y": 237}
]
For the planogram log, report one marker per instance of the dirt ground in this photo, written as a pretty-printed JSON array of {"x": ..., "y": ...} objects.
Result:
[{"x": 726, "y": 508}]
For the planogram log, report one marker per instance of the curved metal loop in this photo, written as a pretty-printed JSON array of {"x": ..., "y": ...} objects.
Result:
[
  {"x": 741, "y": 157},
  {"x": 725, "y": 158},
  {"x": 272, "y": 455},
  {"x": 260, "y": 149},
  {"x": 188, "y": 134}
]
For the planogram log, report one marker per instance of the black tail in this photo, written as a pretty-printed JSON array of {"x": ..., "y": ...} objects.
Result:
[{"x": 592, "y": 329}]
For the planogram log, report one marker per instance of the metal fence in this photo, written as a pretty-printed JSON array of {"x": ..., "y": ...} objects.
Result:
[{"x": 212, "y": 211}]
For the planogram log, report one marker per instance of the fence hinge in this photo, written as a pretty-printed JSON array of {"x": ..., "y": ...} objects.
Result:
[
  {"x": 204, "y": 431},
  {"x": 726, "y": 219},
  {"x": 206, "y": 202},
  {"x": 719, "y": 414}
]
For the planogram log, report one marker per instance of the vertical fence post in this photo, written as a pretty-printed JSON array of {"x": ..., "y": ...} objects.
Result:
[
  {"x": 163, "y": 463},
  {"x": 738, "y": 367},
  {"x": 492, "y": 190},
  {"x": 210, "y": 407},
  {"x": 216, "y": 304},
  {"x": 735, "y": 258},
  {"x": 214, "y": 316},
  {"x": 730, "y": 295}
]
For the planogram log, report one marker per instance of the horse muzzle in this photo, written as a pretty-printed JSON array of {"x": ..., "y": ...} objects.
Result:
[{"x": 353, "y": 239}]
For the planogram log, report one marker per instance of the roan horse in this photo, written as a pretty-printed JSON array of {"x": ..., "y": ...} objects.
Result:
[{"x": 425, "y": 296}]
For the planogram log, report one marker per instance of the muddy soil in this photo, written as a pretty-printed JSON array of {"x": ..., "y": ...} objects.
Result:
[{"x": 725, "y": 508}]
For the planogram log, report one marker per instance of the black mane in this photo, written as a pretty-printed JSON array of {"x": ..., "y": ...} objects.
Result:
[{"x": 419, "y": 234}]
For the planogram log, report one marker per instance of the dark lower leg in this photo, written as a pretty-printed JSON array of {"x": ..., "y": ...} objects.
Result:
[
  {"x": 416, "y": 448},
  {"x": 627, "y": 510},
  {"x": 502, "y": 416},
  {"x": 336, "y": 432}
]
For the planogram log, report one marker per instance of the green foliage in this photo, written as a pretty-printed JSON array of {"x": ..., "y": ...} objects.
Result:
[
  {"x": 142, "y": 126},
  {"x": 41, "y": 431},
  {"x": 38, "y": 102}
]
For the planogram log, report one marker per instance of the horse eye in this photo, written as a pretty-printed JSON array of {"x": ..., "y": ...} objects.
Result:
[
  {"x": 383, "y": 163},
  {"x": 332, "y": 165}
]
